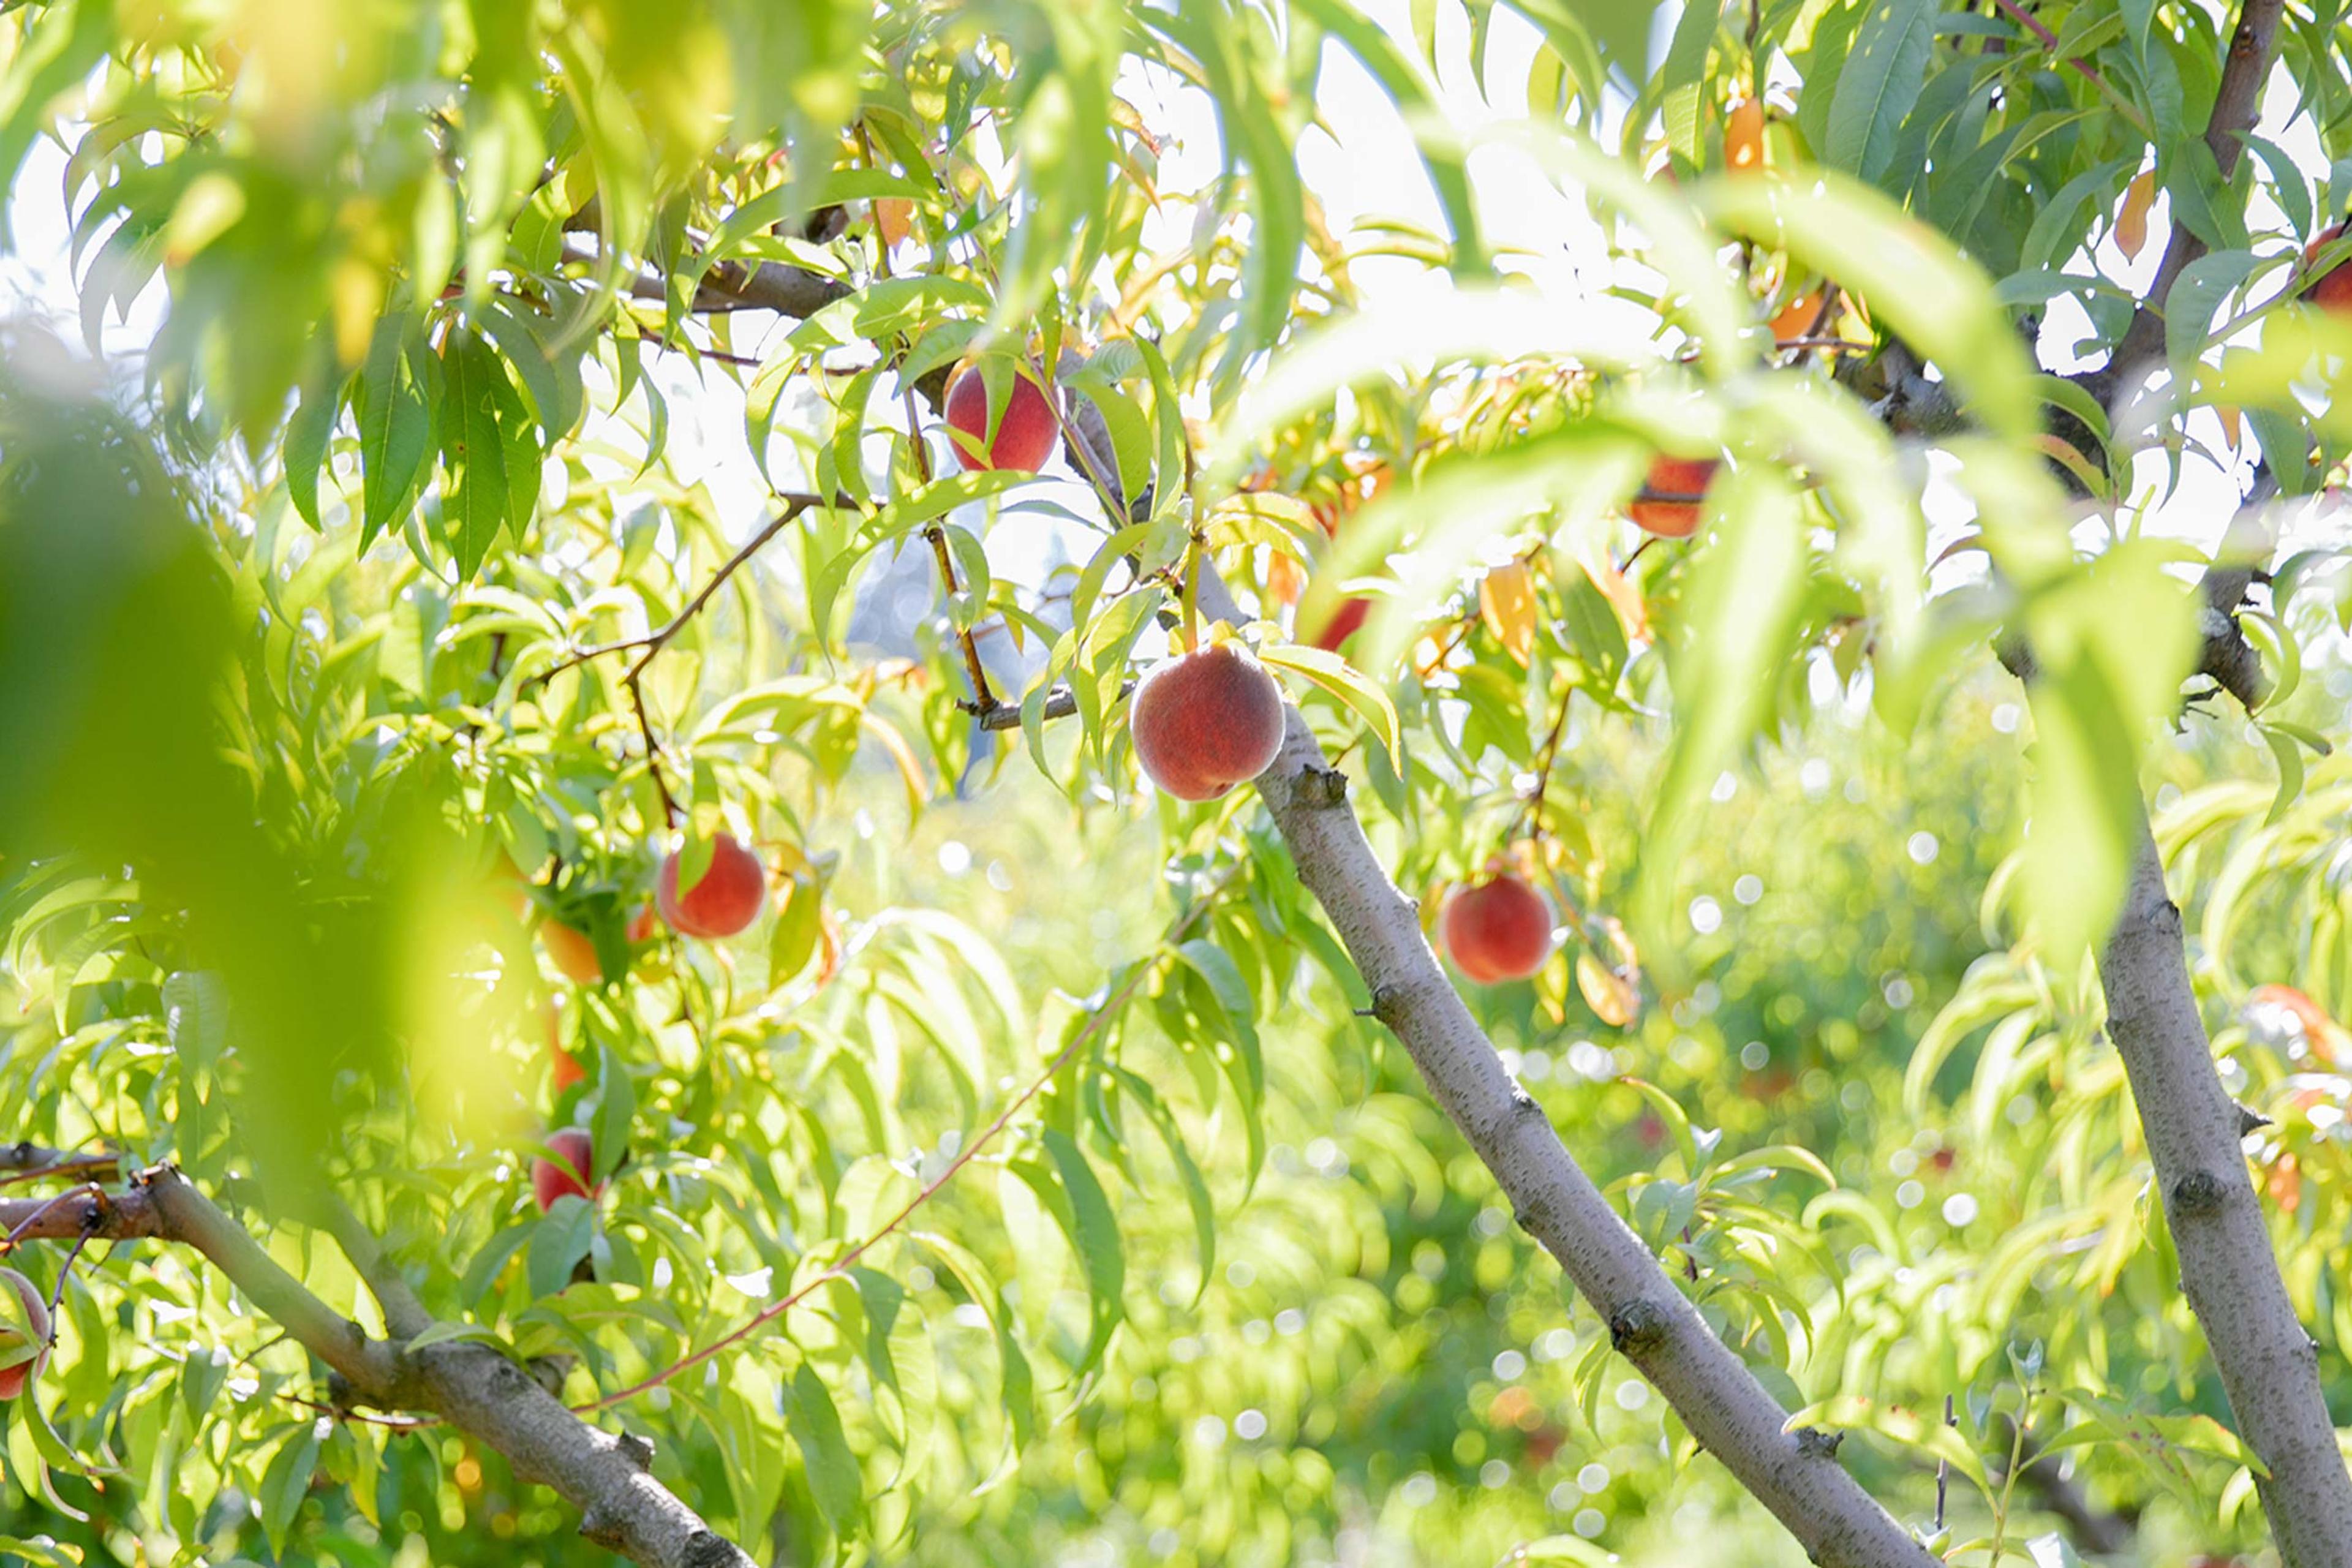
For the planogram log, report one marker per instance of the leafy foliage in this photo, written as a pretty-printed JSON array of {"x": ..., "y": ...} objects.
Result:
[{"x": 1030, "y": 1175}]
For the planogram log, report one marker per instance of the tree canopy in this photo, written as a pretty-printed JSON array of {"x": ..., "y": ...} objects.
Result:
[{"x": 812, "y": 782}]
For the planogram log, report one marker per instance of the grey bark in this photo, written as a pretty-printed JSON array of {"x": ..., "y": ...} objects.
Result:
[
  {"x": 2268, "y": 1364},
  {"x": 606, "y": 1476},
  {"x": 1794, "y": 1473}
]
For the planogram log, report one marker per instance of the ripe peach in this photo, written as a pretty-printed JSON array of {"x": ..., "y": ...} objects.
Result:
[
  {"x": 641, "y": 926},
  {"x": 572, "y": 951},
  {"x": 566, "y": 1066},
  {"x": 1743, "y": 137},
  {"x": 1497, "y": 930},
  {"x": 2275, "y": 1015},
  {"x": 725, "y": 901},
  {"x": 566, "y": 1167},
  {"x": 37, "y": 1314},
  {"x": 1345, "y": 622},
  {"x": 1206, "y": 722},
  {"x": 1673, "y": 477},
  {"x": 2332, "y": 289},
  {"x": 1025, "y": 432}
]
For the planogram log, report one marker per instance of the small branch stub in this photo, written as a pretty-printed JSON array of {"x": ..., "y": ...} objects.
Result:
[
  {"x": 1637, "y": 1326},
  {"x": 1815, "y": 1444},
  {"x": 2199, "y": 1194},
  {"x": 1324, "y": 787}
]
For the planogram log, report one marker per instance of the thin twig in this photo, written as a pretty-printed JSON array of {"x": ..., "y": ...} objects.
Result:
[
  {"x": 652, "y": 642},
  {"x": 670, "y": 813},
  {"x": 1534, "y": 816},
  {"x": 984, "y": 700},
  {"x": 2090, "y": 72}
]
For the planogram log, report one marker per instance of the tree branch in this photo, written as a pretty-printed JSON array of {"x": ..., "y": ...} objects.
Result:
[
  {"x": 2237, "y": 104},
  {"x": 652, "y": 642},
  {"x": 31, "y": 1162},
  {"x": 732, "y": 286},
  {"x": 1794, "y": 1473},
  {"x": 161, "y": 1202},
  {"x": 476, "y": 1389},
  {"x": 2268, "y": 1364}
]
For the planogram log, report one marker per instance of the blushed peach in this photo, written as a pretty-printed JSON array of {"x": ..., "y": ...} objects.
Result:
[
  {"x": 1497, "y": 930},
  {"x": 1206, "y": 722}
]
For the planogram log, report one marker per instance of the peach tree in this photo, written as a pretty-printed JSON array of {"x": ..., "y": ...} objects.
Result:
[{"x": 552, "y": 498}]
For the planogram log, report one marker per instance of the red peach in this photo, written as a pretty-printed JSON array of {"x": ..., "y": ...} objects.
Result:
[
  {"x": 725, "y": 901},
  {"x": 1497, "y": 930},
  {"x": 1206, "y": 722},
  {"x": 567, "y": 1166},
  {"x": 37, "y": 1314},
  {"x": 2332, "y": 289},
  {"x": 1673, "y": 477},
  {"x": 1345, "y": 622},
  {"x": 566, "y": 1066},
  {"x": 1025, "y": 432},
  {"x": 573, "y": 953}
]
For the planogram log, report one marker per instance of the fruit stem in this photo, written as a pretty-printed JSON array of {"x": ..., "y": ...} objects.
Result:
[
  {"x": 1192, "y": 594},
  {"x": 982, "y": 698},
  {"x": 670, "y": 813}
]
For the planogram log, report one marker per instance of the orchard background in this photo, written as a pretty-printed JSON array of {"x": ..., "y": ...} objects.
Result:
[{"x": 588, "y": 967}]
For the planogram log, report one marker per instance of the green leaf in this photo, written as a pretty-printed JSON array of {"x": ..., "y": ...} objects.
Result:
[
  {"x": 1352, "y": 686},
  {"x": 558, "y": 1242},
  {"x": 1188, "y": 1173},
  {"x": 476, "y": 493},
  {"x": 1747, "y": 589},
  {"x": 395, "y": 425},
  {"x": 288, "y": 1481},
  {"x": 2197, "y": 294},
  {"x": 1684, "y": 77},
  {"x": 1085, "y": 1218},
  {"x": 616, "y": 1109},
  {"x": 1914, "y": 281},
  {"x": 1879, "y": 83},
  {"x": 833, "y": 1477},
  {"x": 307, "y": 434}
]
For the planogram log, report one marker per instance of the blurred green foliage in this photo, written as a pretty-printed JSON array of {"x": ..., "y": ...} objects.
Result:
[{"x": 354, "y": 645}]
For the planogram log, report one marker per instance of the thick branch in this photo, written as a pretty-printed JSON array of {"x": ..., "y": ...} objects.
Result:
[
  {"x": 481, "y": 1393},
  {"x": 28, "y": 1160},
  {"x": 162, "y": 1203},
  {"x": 1794, "y": 1473},
  {"x": 1060, "y": 703},
  {"x": 2237, "y": 104},
  {"x": 732, "y": 286},
  {"x": 2268, "y": 1364}
]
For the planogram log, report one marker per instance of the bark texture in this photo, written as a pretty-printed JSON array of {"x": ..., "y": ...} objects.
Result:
[
  {"x": 606, "y": 1476},
  {"x": 1795, "y": 1474},
  {"x": 2268, "y": 1364}
]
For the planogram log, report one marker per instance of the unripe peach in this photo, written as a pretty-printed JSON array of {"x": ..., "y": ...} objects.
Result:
[
  {"x": 1206, "y": 722},
  {"x": 1025, "y": 433},
  {"x": 2332, "y": 289},
  {"x": 1673, "y": 477},
  {"x": 566, "y": 1167},
  {"x": 1497, "y": 930},
  {"x": 725, "y": 901},
  {"x": 37, "y": 1315}
]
